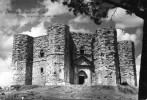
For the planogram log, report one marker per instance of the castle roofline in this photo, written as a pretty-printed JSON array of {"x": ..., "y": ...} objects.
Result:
[
  {"x": 125, "y": 41},
  {"x": 105, "y": 28},
  {"x": 23, "y": 35},
  {"x": 40, "y": 36},
  {"x": 57, "y": 25},
  {"x": 81, "y": 33}
]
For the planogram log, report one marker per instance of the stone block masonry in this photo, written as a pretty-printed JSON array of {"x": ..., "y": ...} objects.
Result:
[
  {"x": 62, "y": 57},
  {"x": 22, "y": 59},
  {"x": 84, "y": 40},
  {"x": 52, "y": 56},
  {"x": 127, "y": 62},
  {"x": 105, "y": 57}
]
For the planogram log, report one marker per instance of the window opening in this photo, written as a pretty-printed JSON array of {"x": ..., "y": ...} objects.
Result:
[
  {"x": 41, "y": 53},
  {"x": 82, "y": 50},
  {"x": 41, "y": 70}
]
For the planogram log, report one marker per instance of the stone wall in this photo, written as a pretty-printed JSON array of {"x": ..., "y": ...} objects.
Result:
[
  {"x": 49, "y": 59},
  {"x": 56, "y": 61},
  {"x": 40, "y": 60},
  {"x": 22, "y": 59},
  {"x": 83, "y": 39},
  {"x": 105, "y": 57},
  {"x": 19, "y": 76},
  {"x": 127, "y": 62}
]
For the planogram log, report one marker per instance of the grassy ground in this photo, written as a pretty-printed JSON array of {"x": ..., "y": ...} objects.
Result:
[{"x": 71, "y": 92}]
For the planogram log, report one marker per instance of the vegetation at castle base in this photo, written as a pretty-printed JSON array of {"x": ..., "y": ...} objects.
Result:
[{"x": 97, "y": 92}]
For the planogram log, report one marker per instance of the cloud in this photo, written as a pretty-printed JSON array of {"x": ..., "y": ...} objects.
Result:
[
  {"x": 130, "y": 24},
  {"x": 4, "y": 5},
  {"x": 76, "y": 24},
  {"x": 54, "y": 8},
  {"x": 124, "y": 20},
  {"x": 25, "y": 18},
  {"x": 11, "y": 19},
  {"x": 121, "y": 35},
  {"x": 73, "y": 28},
  {"x": 37, "y": 31},
  {"x": 4, "y": 63},
  {"x": 5, "y": 72},
  {"x": 6, "y": 79},
  {"x": 6, "y": 46},
  {"x": 81, "y": 19}
]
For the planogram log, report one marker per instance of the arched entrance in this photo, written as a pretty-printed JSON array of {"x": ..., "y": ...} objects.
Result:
[{"x": 82, "y": 76}]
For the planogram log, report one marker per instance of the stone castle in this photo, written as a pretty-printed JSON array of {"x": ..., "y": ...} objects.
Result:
[{"x": 62, "y": 57}]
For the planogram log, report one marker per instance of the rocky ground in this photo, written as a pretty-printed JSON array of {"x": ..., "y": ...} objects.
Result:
[{"x": 72, "y": 92}]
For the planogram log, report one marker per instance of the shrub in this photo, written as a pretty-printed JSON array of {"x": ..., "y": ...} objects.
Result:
[{"x": 17, "y": 87}]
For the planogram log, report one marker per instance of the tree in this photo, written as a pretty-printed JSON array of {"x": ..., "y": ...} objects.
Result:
[{"x": 97, "y": 9}]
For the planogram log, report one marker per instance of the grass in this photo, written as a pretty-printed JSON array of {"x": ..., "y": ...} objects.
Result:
[{"x": 97, "y": 92}]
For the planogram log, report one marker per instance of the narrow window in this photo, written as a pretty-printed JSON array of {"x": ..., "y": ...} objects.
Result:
[
  {"x": 82, "y": 50},
  {"x": 41, "y": 53},
  {"x": 41, "y": 70}
]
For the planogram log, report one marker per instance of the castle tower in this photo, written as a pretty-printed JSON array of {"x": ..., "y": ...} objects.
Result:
[
  {"x": 22, "y": 59},
  {"x": 127, "y": 62},
  {"x": 52, "y": 57},
  {"x": 106, "y": 57},
  {"x": 83, "y": 65}
]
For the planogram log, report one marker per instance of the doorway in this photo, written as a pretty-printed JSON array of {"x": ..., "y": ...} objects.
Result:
[
  {"x": 82, "y": 76},
  {"x": 81, "y": 79}
]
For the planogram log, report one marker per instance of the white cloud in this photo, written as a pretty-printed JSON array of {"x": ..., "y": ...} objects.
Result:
[
  {"x": 37, "y": 31},
  {"x": 81, "y": 19},
  {"x": 6, "y": 74},
  {"x": 81, "y": 30},
  {"x": 6, "y": 79},
  {"x": 124, "y": 20},
  {"x": 55, "y": 8},
  {"x": 5, "y": 46},
  {"x": 121, "y": 35},
  {"x": 5, "y": 64}
]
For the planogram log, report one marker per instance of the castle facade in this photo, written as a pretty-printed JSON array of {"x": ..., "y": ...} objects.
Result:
[{"x": 62, "y": 57}]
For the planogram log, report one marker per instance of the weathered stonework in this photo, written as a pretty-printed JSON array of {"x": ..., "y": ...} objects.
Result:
[
  {"x": 62, "y": 57},
  {"x": 127, "y": 62},
  {"x": 22, "y": 59},
  {"x": 105, "y": 55}
]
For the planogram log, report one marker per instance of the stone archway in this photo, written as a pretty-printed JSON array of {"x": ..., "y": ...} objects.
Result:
[{"x": 82, "y": 76}]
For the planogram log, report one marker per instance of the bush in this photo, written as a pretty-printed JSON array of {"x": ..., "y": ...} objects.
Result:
[{"x": 17, "y": 87}]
